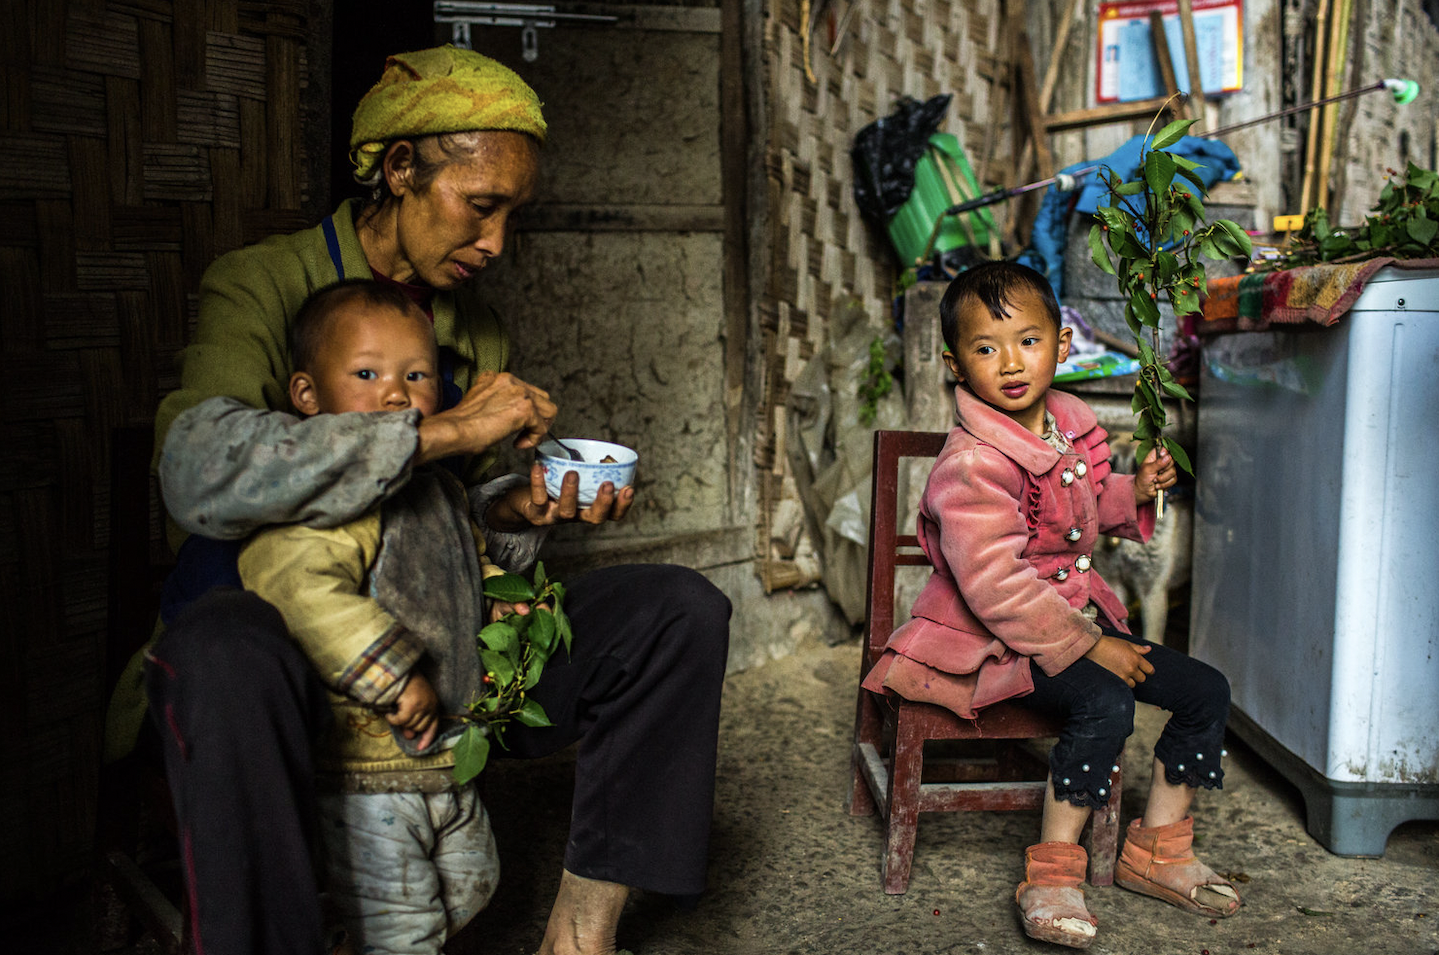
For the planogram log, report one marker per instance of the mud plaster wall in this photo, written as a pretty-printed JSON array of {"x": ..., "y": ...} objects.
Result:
[
  {"x": 613, "y": 291},
  {"x": 1388, "y": 38},
  {"x": 623, "y": 326},
  {"x": 821, "y": 254}
]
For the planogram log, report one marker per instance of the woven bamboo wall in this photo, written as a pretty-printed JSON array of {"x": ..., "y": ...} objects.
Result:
[
  {"x": 143, "y": 138},
  {"x": 822, "y": 254}
]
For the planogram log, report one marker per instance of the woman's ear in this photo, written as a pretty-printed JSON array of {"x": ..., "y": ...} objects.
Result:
[
  {"x": 303, "y": 394},
  {"x": 399, "y": 166}
]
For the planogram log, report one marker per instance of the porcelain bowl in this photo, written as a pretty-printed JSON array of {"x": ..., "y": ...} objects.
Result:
[{"x": 601, "y": 461}]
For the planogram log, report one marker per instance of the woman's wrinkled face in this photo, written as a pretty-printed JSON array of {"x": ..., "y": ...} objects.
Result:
[{"x": 449, "y": 228}]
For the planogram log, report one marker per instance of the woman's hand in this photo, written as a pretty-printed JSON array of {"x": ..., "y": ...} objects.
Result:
[
  {"x": 1122, "y": 658},
  {"x": 1154, "y": 475},
  {"x": 532, "y": 506},
  {"x": 496, "y": 406}
]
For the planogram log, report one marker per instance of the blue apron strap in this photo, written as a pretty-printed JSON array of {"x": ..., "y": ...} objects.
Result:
[{"x": 332, "y": 242}]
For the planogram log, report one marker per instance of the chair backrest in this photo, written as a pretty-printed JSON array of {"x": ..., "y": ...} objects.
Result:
[{"x": 888, "y": 548}]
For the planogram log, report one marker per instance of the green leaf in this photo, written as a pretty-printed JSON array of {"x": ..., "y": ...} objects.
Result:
[
  {"x": 1176, "y": 452},
  {"x": 1159, "y": 173},
  {"x": 1131, "y": 317},
  {"x": 532, "y": 674},
  {"x": 543, "y": 630},
  {"x": 1422, "y": 230},
  {"x": 500, "y": 636},
  {"x": 472, "y": 752},
  {"x": 1130, "y": 189},
  {"x": 500, "y": 665},
  {"x": 562, "y": 624},
  {"x": 1145, "y": 309},
  {"x": 532, "y": 714},
  {"x": 1146, "y": 351},
  {"x": 1174, "y": 388},
  {"x": 1238, "y": 236},
  {"x": 1097, "y": 251},
  {"x": 510, "y": 588},
  {"x": 1172, "y": 133},
  {"x": 540, "y": 579}
]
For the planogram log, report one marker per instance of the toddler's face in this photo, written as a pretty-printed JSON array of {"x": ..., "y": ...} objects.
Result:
[
  {"x": 375, "y": 358},
  {"x": 1009, "y": 364}
]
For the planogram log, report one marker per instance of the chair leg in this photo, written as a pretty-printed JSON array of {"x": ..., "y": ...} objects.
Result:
[
  {"x": 1104, "y": 837},
  {"x": 867, "y": 727},
  {"x": 906, "y": 772}
]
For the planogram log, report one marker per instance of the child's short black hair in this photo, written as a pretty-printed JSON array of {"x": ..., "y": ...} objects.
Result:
[
  {"x": 994, "y": 285},
  {"x": 308, "y": 328}
]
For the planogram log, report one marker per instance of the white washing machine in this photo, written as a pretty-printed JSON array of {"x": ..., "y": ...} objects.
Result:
[{"x": 1316, "y": 554}]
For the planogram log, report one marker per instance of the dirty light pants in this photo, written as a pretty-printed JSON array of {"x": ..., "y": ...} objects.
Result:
[
  {"x": 237, "y": 708},
  {"x": 403, "y": 871}
]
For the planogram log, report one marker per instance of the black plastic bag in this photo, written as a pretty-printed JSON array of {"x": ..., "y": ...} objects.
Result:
[{"x": 885, "y": 153}]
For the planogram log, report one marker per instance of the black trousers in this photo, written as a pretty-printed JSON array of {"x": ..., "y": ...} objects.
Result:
[
  {"x": 1098, "y": 710},
  {"x": 237, "y": 708}
]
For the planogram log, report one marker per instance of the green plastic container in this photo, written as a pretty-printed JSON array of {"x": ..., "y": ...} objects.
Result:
[{"x": 909, "y": 228}]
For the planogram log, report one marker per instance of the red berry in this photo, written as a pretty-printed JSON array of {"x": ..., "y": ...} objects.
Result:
[{"x": 936, "y": 911}]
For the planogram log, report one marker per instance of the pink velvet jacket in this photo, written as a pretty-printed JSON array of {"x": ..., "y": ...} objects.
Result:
[{"x": 1009, "y": 525}]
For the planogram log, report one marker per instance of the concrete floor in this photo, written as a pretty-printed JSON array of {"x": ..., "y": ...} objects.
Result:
[{"x": 791, "y": 871}]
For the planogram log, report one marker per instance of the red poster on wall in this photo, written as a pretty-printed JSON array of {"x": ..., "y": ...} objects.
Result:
[{"x": 1128, "y": 69}]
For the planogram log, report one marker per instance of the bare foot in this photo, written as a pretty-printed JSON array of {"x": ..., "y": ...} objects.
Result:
[{"x": 585, "y": 916}]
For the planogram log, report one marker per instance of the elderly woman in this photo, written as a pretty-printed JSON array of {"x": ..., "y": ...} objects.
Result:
[{"x": 448, "y": 141}]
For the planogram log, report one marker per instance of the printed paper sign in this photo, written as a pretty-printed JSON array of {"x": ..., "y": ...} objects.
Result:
[{"x": 1128, "y": 68}]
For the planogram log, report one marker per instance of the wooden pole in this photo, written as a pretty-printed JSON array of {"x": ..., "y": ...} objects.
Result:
[
  {"x": 1338, "y": 35},
  {"x": 1191, "y": 56},
  {"x": 1051, "y": 77},
  {"x": 1316, "y": 92}
]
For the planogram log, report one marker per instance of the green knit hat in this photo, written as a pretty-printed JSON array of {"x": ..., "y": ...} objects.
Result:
[{"x": 441, "y": 90}]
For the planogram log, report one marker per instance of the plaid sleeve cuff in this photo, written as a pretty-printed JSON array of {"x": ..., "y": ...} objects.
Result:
[{"x": 383, "y": 664}]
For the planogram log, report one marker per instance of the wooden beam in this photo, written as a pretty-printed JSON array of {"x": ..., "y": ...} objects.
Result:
[
  {"x": 1116, "y": 113},
  {"x": 734, "y": 184}
]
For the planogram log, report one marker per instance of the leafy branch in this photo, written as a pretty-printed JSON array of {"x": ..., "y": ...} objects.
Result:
[
  {"x": 1404, "y": 223},
  {"x": 513, "y": 652},
  {"x": 1153, "y": 227}
]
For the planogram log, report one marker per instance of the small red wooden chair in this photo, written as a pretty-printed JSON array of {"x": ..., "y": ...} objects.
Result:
[{"x": 890, "y": 733}]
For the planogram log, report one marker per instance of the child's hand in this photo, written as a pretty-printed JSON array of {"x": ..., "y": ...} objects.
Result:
[
  {"x": 500, "y": 609},
  {"x": 415, "y": 711},
  {"x": 1154, "y": 475},
  {"x": 1122, "y": 658}
]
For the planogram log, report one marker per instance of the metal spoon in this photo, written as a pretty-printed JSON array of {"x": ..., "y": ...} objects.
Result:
[{"x": 573, "y": 454}]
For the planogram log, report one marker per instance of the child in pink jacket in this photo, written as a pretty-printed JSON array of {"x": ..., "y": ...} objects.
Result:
[{"x": 1014, "y": 610}]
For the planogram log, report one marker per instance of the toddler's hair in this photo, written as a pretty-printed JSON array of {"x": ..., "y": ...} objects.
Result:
[
  {"x": 994, "y": 285},
  {"x": 307, "y": 331}
]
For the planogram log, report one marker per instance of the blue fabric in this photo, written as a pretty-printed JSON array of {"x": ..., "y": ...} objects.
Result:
[
  {"x": 332, "y": 242},
  {"x": 1047, "y": 241},
  {"x": 201, "y": 565}
]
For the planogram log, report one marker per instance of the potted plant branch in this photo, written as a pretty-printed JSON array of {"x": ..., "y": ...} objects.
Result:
[
  {"x": 1148, "y": 237},
  {"x": 513, "y": 652}
]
